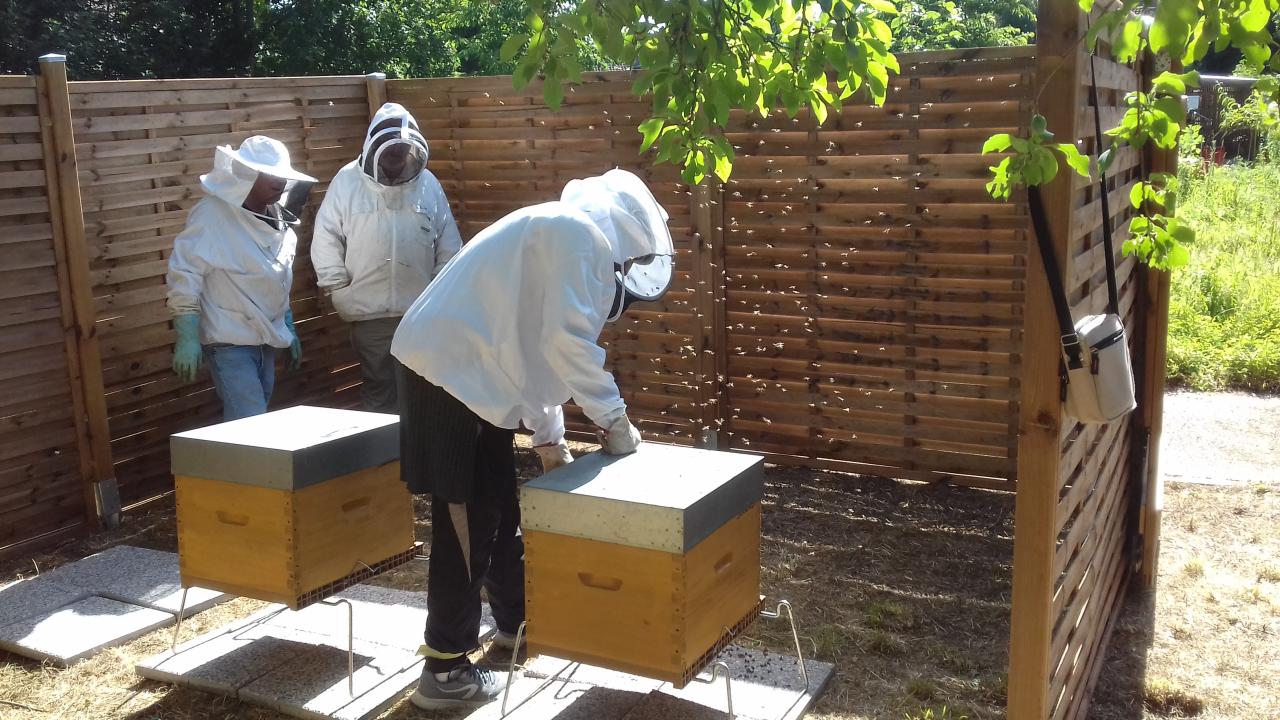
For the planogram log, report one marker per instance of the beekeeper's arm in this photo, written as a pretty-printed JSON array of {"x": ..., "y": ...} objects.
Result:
[
  {"x": 187, "y": 268},
  {"x": 572, "y": 320},
  {"x": 448, "y": 239},
  {"x": 329, "y": 242}
]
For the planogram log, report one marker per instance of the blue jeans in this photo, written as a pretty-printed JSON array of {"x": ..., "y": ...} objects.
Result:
[{"x": 243, "y": 376}]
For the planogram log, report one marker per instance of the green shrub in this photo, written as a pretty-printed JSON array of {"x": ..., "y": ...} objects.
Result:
[{"x": 1224, "y": 315}]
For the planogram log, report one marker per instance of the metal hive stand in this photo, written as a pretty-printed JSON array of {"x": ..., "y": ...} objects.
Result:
[{"x": 718, "y": 669}]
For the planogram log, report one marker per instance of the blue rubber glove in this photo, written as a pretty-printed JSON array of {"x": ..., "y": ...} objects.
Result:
[
  {"x": 295, "y": 347},
  {"x": 186, "y": 351}
]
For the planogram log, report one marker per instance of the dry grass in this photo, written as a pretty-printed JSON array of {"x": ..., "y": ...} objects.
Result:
[
  {"x": 1205, "y": 644},
  {"x": 921, "y": 573}
]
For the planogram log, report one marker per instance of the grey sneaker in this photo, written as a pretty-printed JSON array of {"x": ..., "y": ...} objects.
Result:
[{"x": 467, "y": 686}]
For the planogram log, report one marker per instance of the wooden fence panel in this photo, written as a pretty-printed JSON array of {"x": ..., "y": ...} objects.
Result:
[
  {"x": 875, "y": 289},
  {"x": 496, "y": 149},
  {"x": 142, "y": 146},
  {"x": 44, "y": 461},
  {"x": 1099, "y": 486}
]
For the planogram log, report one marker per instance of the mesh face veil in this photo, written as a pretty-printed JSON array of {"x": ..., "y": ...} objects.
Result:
[{"x": 395, "y": 152}]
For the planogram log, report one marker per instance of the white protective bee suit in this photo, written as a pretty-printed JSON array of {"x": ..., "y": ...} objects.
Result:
[
  {"x": 379, "y": 241},
  {"x": 230, "y": 274},
  {"x": 510, "y": 327},
  {"x": 506, "y": 334},
  {"x": 230, "y": 266}
]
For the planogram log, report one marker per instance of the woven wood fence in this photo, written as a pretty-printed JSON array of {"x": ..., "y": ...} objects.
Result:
[
  {"x": 45, "y": 462},
  {"x": 1081, "y": 530},
  {"x": 141, "y": 147}
]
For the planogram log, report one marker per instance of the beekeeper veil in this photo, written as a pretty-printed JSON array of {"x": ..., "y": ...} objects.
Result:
[
  {"x": 621, "y": 205},
  {"x": 235, "y": 170},
  {"x": 395, "y": 150}
]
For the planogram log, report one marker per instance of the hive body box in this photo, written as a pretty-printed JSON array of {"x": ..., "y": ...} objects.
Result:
[
  {"x": 284, "y": 506},
  {"x": 643, "y": 563}
]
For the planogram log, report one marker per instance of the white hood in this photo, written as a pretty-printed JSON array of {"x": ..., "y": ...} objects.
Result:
[
  {"x": 230, "y": 180},
  {"x": 405, "y": 130},
  {"x": 235, "y": 172},
  {"x": 621, "y": 205}
]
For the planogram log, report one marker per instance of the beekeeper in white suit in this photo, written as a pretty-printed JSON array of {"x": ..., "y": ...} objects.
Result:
[
  {"x": 505, "y": 335},
  {"x": 231, "y": 271},
  {"x": 383, "y": 232}
]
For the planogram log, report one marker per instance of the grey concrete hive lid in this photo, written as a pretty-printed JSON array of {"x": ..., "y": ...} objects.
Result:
[
  {"x": 287, "y": 449},
  {"x": 662, "y": 497}
]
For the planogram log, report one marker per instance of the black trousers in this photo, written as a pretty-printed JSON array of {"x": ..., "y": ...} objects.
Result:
[{"x": 475, "y": 516}]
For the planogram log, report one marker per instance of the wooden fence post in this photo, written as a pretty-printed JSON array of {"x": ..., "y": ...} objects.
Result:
[
  {"x": 1031, "y": 666},
  {"x": 101, "y": 491},
  {"x": 1155, "y": 325},
  {"x": 376, "y": 86},
  {"x": 711, "y": 363}
]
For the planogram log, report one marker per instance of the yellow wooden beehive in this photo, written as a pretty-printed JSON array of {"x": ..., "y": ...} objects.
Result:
[
  {"x": 287, "y": 506},
  {"x": 646, "y": 563}
]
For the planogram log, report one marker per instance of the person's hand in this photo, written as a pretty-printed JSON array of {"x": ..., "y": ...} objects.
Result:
[
  {"x": 620, "y": 438},
  {"x": 553, "y": 456},
  {"x": 295, "y": 345},
  {"x": 186, "y": 351}
]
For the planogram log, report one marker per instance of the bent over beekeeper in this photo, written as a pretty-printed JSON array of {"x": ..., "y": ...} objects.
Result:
[
  {"x": 383, "y": 232},
  {"x": 231, "y": 271},
  {"x": 505, "y": 335}
]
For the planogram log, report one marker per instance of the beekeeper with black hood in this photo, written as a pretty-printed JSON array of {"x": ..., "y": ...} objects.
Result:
[
  {"x": 383, "y": 232},
  {"x": 505, "y": 335}
]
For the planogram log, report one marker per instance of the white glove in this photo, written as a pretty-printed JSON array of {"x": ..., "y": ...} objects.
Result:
[
  {"x": 554, "y": 456},
  {"x": 620, "y": 438}
]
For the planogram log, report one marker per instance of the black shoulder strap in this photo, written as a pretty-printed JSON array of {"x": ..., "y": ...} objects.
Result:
[
  {"x": 1040, "y": 226},
  {"x": 1108, "y": 243}
]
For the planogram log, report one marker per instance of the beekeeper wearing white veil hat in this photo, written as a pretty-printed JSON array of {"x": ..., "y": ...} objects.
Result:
[
  {"x": 231, "y": 271},
  {"x": 505, "y": 335}
]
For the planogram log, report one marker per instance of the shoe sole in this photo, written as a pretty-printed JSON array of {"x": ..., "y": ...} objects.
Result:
[{"x": 422, "y": 702}]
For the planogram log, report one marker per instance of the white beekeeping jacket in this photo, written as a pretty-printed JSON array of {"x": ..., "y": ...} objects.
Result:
[
  {"x": 377, "y": 246},
  {"x": 230, "y": 266}
]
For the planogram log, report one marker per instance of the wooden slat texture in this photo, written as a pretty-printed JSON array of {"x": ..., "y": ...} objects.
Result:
[
  {"x": 41, "y": 465},
  {"x": 1096, "y": 522},
  {"x": 865, "y": 257},
  {"x": 142, "y": 147}
]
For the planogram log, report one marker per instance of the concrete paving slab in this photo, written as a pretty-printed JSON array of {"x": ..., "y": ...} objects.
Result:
[
  {"x": 395, "y": 618},
  {"x": 766, "y": 686},
  {"x": 141, "y": 576},
  {"x": 79, "y": 629},
  {"x": 22, "y": 599},
  {"x": 313, "y": 684},
  {"x": 296, "y": 662},
  {"x": 544, "y": 666},
  {"x": 561, "y": 700},
  {"x": 224, "y": 660}
]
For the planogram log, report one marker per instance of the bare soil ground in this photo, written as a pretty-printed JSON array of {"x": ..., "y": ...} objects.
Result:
[
  {"x": 904, "y": 587},
  {"x": 1205, "y": 644}
]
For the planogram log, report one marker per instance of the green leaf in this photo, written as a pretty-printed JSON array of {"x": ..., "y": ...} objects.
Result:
[
  {"x": 819, "y": 109},
  {"x": 1137, "y": 194},
  {"x": 512, "y": 46},
  {"x": 650, "y": 128},
  {"x": 1128, "y": 43},
  {"x": 1077, "y": 161},
  {"x": 883, "y": 6},
  {"x": 1169, "y": 84},
  {"x": 997, "y": 143},
  {"x": 1107, "y": 157},
  {"x": 552, "y": 93},
  {"x": 723, "y": 166}
]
